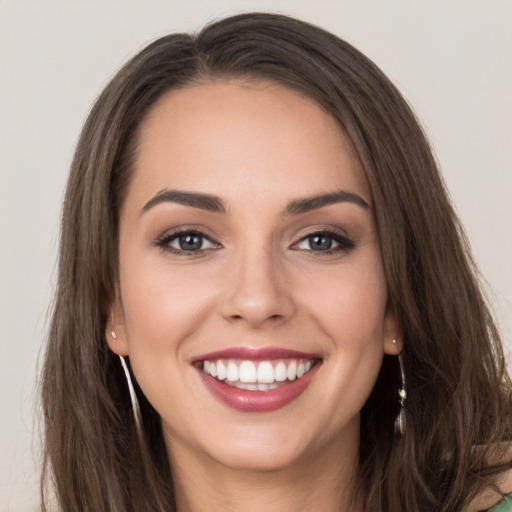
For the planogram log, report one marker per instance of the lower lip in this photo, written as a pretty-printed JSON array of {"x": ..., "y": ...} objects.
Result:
[{"x": 257, "y": 401}]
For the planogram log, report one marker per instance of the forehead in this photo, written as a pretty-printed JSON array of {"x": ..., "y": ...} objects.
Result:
[{"x": 231, "y": 137}]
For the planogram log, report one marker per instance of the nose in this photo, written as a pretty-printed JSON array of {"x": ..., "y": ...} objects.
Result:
[{"x": 257, "y": 293}]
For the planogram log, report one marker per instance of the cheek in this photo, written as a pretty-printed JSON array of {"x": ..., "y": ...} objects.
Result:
[
  {"x": 162, "y": 304},
  {"x": 162, "y": 308},
  {"x": 349, "y": 306},
  {"x": 349, "y": 303}
]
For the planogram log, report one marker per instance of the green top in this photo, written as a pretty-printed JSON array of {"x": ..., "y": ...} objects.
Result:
[{"x": 505, "y": 505}]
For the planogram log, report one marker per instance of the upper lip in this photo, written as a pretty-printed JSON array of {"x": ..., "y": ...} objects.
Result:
[{"x": 255, "y": 354}]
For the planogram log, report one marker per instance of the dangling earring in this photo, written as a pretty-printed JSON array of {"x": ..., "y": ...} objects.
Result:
[
  {"x": 133, "y": 397},
  {"x": 400, "y": 421}
]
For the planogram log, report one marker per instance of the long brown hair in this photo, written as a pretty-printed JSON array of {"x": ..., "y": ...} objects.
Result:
[{"x": 459, "y": 405}]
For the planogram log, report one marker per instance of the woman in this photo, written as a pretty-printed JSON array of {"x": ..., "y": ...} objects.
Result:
[{"x": 265, "y": 299}]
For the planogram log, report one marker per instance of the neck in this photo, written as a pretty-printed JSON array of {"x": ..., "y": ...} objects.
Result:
[{"x": 324, "y": 481}]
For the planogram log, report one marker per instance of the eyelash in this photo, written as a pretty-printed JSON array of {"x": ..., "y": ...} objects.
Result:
[
  {"x": 165, "y": 240},
  {"x": 345, "y": 244}
]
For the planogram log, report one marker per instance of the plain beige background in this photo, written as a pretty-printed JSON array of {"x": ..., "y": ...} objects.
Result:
[{"x": 452, "y": 60}]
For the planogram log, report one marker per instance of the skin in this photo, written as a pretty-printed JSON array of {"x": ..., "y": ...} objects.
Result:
[
  {"x": 494, "y": 493},
  {"x": 258, "y": 283}
]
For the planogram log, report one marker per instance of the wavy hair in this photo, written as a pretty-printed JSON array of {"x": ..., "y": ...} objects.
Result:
[{"x": 459, "y": 405}]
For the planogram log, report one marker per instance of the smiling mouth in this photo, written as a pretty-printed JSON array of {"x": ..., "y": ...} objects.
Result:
[
  {"x": 257, "y": 380},
  {"x": 257, "y": 375}
]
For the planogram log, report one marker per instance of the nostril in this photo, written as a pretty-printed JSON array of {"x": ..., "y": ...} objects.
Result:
[{"x": 256, "y": 307}]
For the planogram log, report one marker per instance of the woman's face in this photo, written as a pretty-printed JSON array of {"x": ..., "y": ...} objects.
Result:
[{"x": 253, "y": 302}]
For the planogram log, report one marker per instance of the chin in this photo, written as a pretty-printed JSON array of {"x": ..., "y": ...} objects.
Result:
[
  {"x": 259, "y": 459},
  {"x": 280, "y": 447}
]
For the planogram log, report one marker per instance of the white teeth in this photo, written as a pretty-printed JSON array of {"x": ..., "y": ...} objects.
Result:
[
  {"x": 248, "y": 372},
  {"x": 265, "y": 372},
  {"x": 292, "y": 371},
  {"x": 221, "y": 370},
  {"x": 253, "y": 387},
  {"x": 280, "y": 371},
  {"x": 232, "y": 373},
  {"x": 256, "y": 376}
]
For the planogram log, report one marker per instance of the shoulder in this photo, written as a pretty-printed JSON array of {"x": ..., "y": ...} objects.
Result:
[
  {"x": 495, "y": 496},
  {"x": 505, "y": 505}
]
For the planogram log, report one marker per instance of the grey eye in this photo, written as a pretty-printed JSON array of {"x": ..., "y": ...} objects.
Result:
[
  {"x": 189, "y": 242},
  {"x": 317, "y": 242}
]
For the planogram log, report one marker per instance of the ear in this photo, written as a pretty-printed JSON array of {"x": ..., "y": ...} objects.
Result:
[
  {"x": 393, "y": 339},
  {"x": 115, "y": 332}
]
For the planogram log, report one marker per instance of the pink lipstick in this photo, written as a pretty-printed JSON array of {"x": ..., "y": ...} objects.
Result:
[{"x": 257, "y": 380}]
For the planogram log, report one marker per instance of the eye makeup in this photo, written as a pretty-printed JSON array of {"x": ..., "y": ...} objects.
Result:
[
  {"x": 325, "y": 242},
  {"x": 187, "y": 241}
]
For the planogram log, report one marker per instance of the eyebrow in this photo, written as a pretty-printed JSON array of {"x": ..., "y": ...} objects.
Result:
[
  {"x": 312, "y": 203},
  {"x": 215, "y": 204},
  {"x": 203, "y": 201}
]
